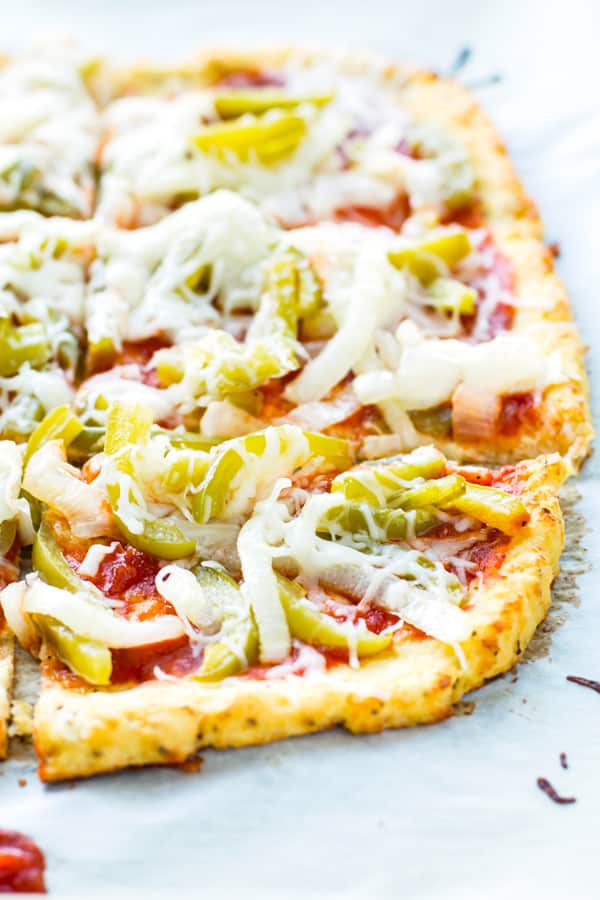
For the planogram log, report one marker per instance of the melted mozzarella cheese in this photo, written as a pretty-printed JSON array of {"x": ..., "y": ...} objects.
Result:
[{"x": 140, "y": 281}]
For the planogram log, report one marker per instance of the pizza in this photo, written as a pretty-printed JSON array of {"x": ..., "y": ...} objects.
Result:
[{"x": 288, "y": 387}]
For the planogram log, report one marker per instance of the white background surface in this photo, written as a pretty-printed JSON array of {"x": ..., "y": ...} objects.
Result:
[{"x": 439, "y": 812}]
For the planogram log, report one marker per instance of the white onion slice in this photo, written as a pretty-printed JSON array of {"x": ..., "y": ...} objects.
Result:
[
  {"x": 86, "y": 617},
  {"x": 475, "y": 414},
  {"x": 50, "y": 478}
]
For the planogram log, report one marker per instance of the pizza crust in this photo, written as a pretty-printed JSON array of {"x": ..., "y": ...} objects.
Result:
[
  {"x": 83, "y": 732},
  {"x": 6, "y": 680}
]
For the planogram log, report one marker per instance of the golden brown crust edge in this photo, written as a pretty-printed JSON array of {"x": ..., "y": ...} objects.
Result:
[
  {"x": 6, "y": 679},
  {"x": 82, "y": 733}
]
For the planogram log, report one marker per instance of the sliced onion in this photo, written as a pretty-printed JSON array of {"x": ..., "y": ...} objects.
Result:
[
  {"x": 475, "y": 414},
  {"x": 50, "y": 478},
  {"x": 318, "y": 416},
  {"x": 11, "y": 600},
  {"x": 86, "y": 617},
  {"x": 431, "y": 614},
  {"x": 223, "y": 419},
  {"x": 262, "y": 592}
]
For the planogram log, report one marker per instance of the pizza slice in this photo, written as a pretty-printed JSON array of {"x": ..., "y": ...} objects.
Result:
[
  {"x": 184, "y": 597},
  {"x": 49, "y": 134},
  {"x": 43, "y": 273},
  {"x": 225, "y": 323}
]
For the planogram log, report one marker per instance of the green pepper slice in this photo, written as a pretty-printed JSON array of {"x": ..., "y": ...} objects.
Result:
[
  {"x": 308, "y": 624},
  {"x": 447, "y": 246},
  {"x": 89, "y": 659},
  {"x": 270, "y": 140},
  {"x": 219, "y": 659},
  {"x": 495, "y": 508},
  {"x": 237, "y": 103}
]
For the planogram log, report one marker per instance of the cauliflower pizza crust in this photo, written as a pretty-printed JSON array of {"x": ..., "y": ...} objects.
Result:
[
  {"x": 79, "y": 732},
  {"x": 6, "y": 677}
]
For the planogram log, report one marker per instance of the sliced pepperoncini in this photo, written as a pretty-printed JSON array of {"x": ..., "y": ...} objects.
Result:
[{"x": 308, "y": 624}]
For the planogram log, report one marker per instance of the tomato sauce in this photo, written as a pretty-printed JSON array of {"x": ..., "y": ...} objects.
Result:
[
  {"x": 22, "y": 865},
  {"x": 140, "y": 352},
  {"x": 176, "y": 658},
  {"x": 249, "y": 78},
  {"x": 516, "y": 412},
  {"x": 392, "y": 216}
]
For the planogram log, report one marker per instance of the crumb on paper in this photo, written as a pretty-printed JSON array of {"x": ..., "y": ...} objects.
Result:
[
  {"x": 22, "y": 782},
  {"x": 21, "y": 723},
  {"x": 563, "y": 760},
  {"x": 464, "y": 708}
]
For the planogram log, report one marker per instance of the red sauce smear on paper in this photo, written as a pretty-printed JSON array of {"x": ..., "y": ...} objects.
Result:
[{"x": 22, "y": 865}]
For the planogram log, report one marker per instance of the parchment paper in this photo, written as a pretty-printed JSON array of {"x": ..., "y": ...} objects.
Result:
[{"x": 444, "y": 811}]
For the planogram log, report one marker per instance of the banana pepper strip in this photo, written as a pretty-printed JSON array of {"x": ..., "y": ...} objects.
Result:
[
  {"x": 451, "y": 295},
  {"x": 158, "y": 537},
  {"x": 377, "y": 524},
  {"x": 375, "y": 483},
  {"x": 127, "y": 425},
  {"x": 307, "y": 623},
  {"x": 495, "y": 508},
  {"x": 435, "y": 492},
  {"x": 48, "y": 559},
  {"x": 25, "y": 344},
  {"x": 260, "y": 100},
  {"x": 270, "y": 140},
  {"x": 219, "y": 660},
  {"x": 292, "y": 291},
  {"x": 423, "y": 257},
  {"x": 60, "y": 424},
  {"x": 87, "y": 658},
  {"x": 211, "y": 500}
]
